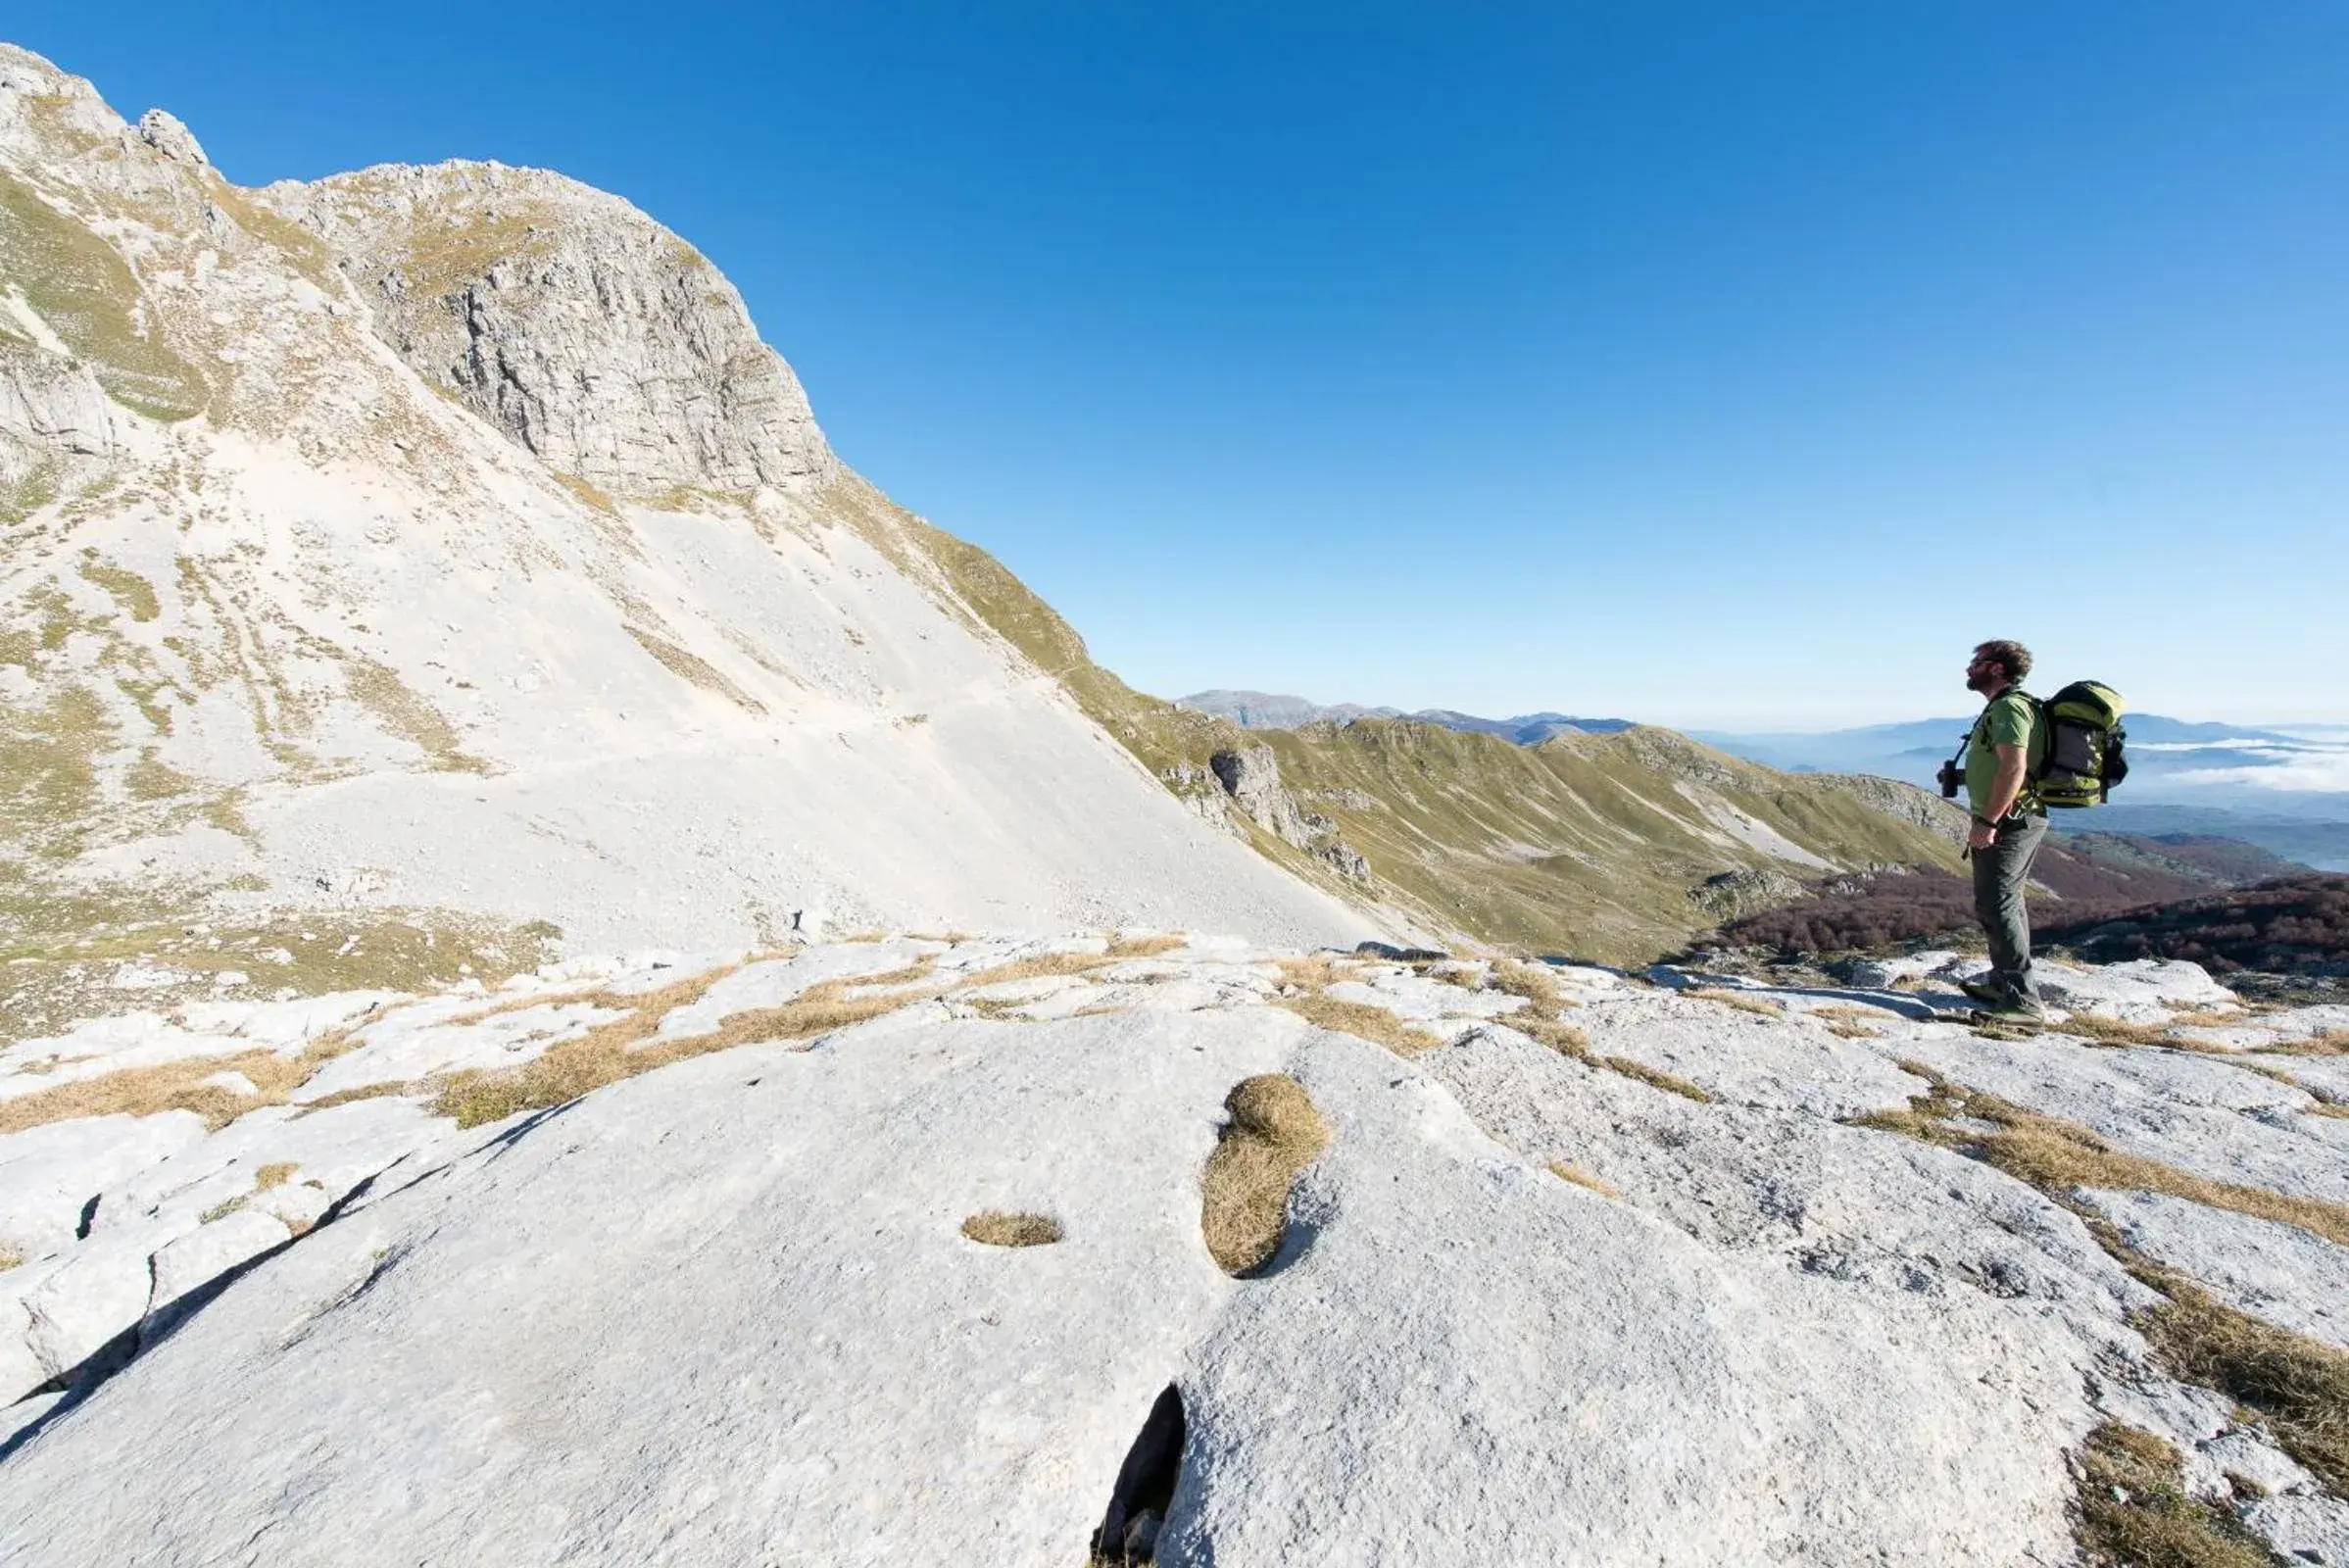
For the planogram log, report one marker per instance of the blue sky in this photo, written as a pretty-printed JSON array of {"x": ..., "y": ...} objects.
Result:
[{"x": 1724, "y": 365}]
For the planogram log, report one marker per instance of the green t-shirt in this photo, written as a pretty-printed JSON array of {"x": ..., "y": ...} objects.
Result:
[{"x": 2007, "y": 720}]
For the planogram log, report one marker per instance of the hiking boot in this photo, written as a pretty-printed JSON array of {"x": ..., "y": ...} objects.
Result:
[
  {"x": 2015, "y": 1014},
  {"x": 1984, "y": 992}
]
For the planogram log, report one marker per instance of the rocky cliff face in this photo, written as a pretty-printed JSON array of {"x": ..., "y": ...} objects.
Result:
[
  {"x": 446, "y": 540},
  {"x": 607, "y": 346}
]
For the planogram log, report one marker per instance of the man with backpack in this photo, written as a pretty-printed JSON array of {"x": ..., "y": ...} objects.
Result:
[{"x": 2009, "y": 824}]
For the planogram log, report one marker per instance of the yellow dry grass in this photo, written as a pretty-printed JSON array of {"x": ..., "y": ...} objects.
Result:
[
  {"x": 997, "y": 1228},
  {"x": 1563, "y": 1038},
  {"x": 1738, "y": 999},
  {"x": 346, "y": 1097},
  {"x": 1853, "y": 1031},
  {"x": 1532, "y": 981},
  {"x": 1656, "y": 1078},
  {"x": 274, "y": 1174},
  {"x": 9, "y": 1257},
  {"x": 1583, "y": 1178},
  {"x": 2113, "y": 1032},
  {"x": 2135, "y": 1511},
  {"x": 1272, "y": 1133},
  {"x": 619, "y": 1049},
  {"x": 2300, "y": 1387},
  {"x": 175, "y": 1086},
  {"x": 1361, "y": 1020},
  {"x": 2058, "y": 1156},
  {"x": 2328, "y": 1043},
  {"x": 1315, "y": 973}
]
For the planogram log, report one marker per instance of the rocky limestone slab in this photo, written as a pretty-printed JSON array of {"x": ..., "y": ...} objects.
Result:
[
  {"x": 2272, "y": 1270},
  {"x": 1597, "y": 1388},
  {"x": 1750, "y": 1059},
  {"x": 769, "y": 1236},
  {"x": 2306, "y": 1528},
  {"x": 2201, "y": 1113},
  {"x": 52, "y": 1175}
]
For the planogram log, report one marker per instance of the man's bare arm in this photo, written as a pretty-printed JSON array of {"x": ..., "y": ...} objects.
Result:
[{"x": 2006, "y": 786}]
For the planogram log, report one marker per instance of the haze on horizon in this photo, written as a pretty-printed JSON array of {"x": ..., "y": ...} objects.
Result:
[{"x": 1690, "y": 363}]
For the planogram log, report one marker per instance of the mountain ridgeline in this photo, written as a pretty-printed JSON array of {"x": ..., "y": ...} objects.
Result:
[{"x": 445, "y": 543}]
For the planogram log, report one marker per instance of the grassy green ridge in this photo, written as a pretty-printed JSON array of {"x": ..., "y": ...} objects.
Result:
[{"x": 1584, "y": 844}]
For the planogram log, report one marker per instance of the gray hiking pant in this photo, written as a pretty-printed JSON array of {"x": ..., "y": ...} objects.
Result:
[{"x": 2000, "y": 875}]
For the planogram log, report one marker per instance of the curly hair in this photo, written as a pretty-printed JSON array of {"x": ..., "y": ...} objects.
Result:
[{"x": 2009, "y": 656}]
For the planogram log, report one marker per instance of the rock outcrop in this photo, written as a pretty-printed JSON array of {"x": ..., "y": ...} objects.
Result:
[
  {"x": 607, "y": 346},
  {"x": 1589, "y": 1268},
  {"x": 445, "y": 540},
  {"x": 1252, "y": 777}
]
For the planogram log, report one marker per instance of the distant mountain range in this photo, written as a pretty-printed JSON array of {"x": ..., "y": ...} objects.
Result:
[
  {"x": 2284, "y": 789},
  {"x": 1274, "y": 711}
]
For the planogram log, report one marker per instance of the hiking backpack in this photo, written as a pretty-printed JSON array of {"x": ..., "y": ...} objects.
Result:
[{"x": 2080, "y": 758}]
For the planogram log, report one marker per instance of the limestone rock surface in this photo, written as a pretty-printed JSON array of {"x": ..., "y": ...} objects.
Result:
[
  {"x": 599, "y": 340},
  {"x": 1530, "y": 1303}
]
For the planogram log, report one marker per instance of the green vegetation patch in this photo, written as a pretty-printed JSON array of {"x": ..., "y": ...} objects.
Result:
[
  {"x": 83, "y": 288},
  {"x": 131, "y": 591}
]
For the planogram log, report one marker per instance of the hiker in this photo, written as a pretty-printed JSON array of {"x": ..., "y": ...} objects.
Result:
[{"x": 2009, "y": 823}]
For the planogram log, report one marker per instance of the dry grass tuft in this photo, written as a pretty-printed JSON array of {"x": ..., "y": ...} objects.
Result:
[
  {"x": 1738, "y": 999},
  {"x": 1312, "y": 974},
  {"x": 1123, "y": 947},
  {"x": 997, "y": 1228},
  {"x": 1360, "y": 1019},
  {"x": 1854, "y": 1031},
  {"x": 617, "y": 1050},
  {"x": 1532, "y": 981},
  {"x": 1563, "y": 1038},
  {"x": 2058, "y": 1156},
  {"x": 1273, "y": 1133},
  {"x": 2135, "y": 1511},
  {"x": 1656, "y": 1078},
  {"x": 9, "y": 1257},
  {"x": 346, "y": 1097},
  {"x": 2113, "y": 1032},
  {"x": 2330, "y": 1042},
  {"x": 2299, "y": 1385},
  {"x": 1049, "y": 964},
  {"x": 276, "y": 1173},
  {"x": 1583, "y": 1178},
  {"x": 175, "y": 1086}
]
